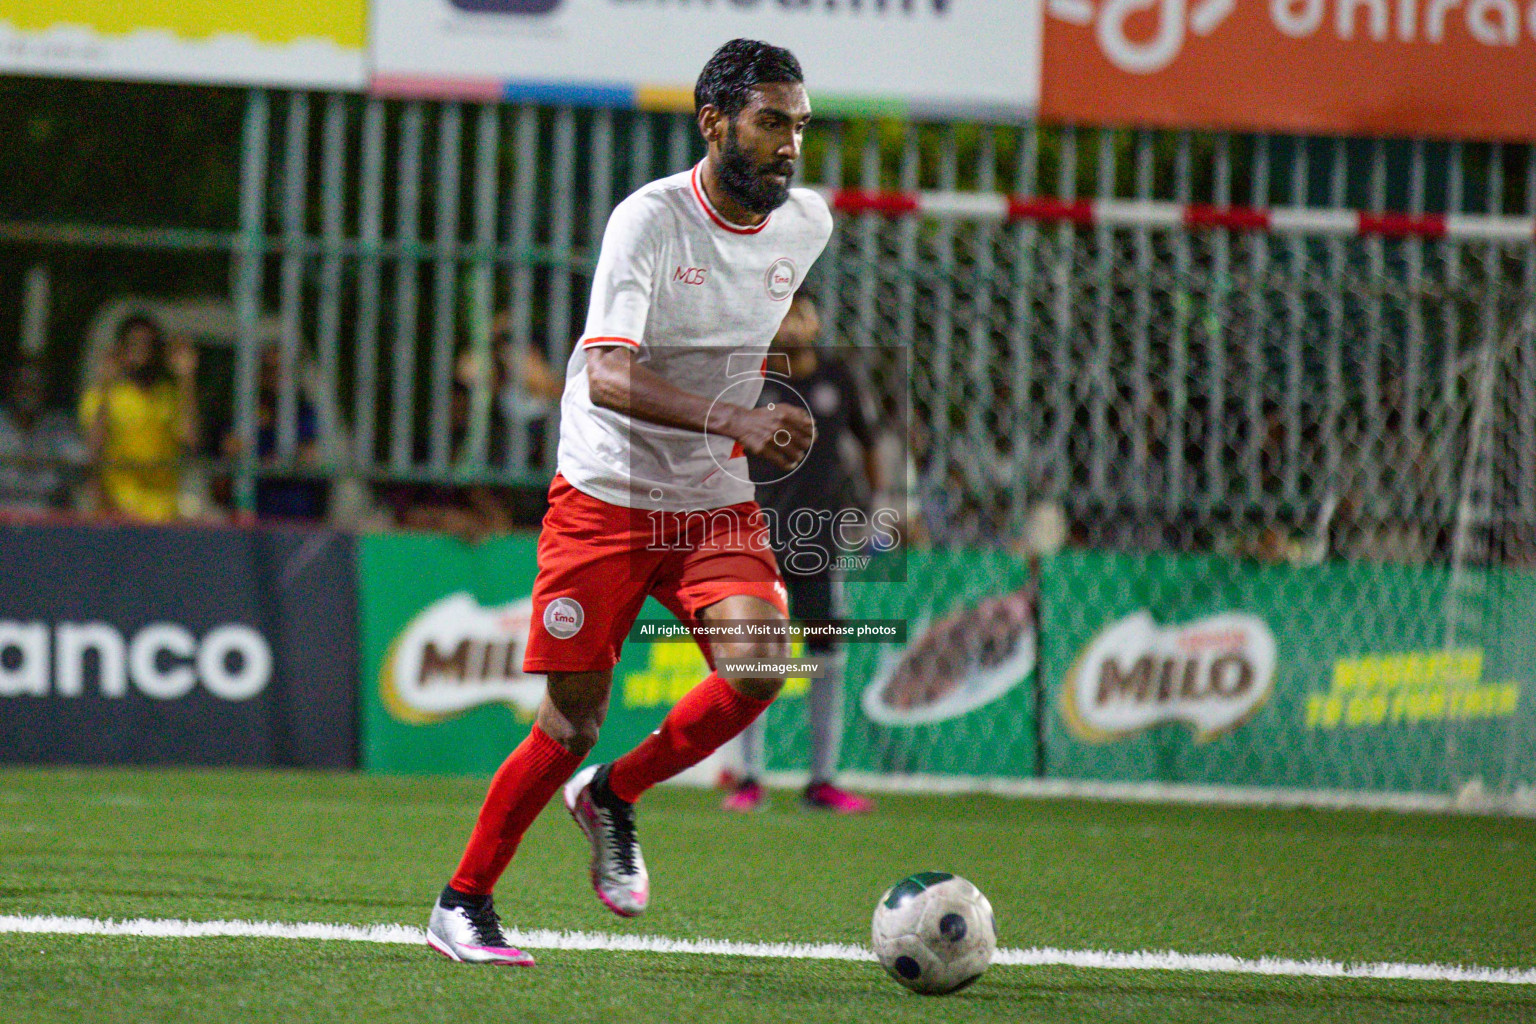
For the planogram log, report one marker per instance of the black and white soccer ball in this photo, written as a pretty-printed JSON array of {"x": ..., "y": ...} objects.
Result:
[{"x": 934, "y": 932}]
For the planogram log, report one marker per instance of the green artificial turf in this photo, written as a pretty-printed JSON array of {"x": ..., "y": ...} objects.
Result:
[{"x": 353, "y": 850}]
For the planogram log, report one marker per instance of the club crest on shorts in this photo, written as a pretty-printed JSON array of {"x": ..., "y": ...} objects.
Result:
[
  {"x": 780, "y": 279},
  {"x": 563, "y": 618}
]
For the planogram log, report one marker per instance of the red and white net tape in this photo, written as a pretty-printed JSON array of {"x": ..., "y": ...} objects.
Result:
[{"x": 1135, "y": 213}]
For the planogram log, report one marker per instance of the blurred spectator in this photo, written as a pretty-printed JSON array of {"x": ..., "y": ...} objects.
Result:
[
  {"x": 40, "y": 450},
  {"x": 472, "y": 511},
  {"x": 281, "y": 497},
  {"x": 527, "y": 388},
  {"x": 139, "y": 417}
]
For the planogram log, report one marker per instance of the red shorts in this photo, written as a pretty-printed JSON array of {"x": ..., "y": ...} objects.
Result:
[{"x": 598, "y": 562}]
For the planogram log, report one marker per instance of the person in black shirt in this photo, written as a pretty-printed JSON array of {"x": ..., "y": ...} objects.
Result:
[{"x": 815, "y": 491}]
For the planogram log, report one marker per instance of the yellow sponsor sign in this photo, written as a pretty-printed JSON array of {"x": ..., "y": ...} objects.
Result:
[
  {"x": 274, "y": 22},
  {"x": 259, "y": 42},
  {"x": 1410, "y": 688},
  {"x": 673, "y": 668},
  {"x": 1460, "y": 667}
]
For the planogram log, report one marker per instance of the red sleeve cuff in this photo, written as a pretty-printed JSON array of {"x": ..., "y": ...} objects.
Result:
[{"x": 608, "y": 340}]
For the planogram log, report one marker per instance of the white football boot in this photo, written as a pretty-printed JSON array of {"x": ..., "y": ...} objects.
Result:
[
  {"x": 472, "y": 936},
  {"x": 618, "y": 867}
]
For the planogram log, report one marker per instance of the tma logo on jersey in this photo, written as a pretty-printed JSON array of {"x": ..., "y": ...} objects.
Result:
[
  {"x": 780, "y": 279},
  {"x": 454, "y": 656}
]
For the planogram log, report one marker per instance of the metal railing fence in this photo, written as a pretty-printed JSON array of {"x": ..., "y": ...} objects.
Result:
[{"x": 1203, "y": 377}]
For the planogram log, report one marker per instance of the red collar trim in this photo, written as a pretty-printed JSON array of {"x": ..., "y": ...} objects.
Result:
[{"x": 709, "y": 210}]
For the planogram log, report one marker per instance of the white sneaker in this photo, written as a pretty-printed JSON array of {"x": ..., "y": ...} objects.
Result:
[
  {"x": 618, "y": 867},
  {"x": 472, "y": 936}
]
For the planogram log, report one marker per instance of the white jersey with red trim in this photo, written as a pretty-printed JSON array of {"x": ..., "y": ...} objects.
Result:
[{"x": 700, "y": 299}]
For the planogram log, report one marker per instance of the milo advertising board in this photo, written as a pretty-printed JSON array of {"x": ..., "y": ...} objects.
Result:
[
  {"x": 1222, "y": 671},
  {"x": 443, "y": 628},
  {"x": 1109, "y": 666}
]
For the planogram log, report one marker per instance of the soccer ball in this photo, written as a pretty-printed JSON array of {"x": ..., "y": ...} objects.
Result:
[{"x": 934, "y": 932}]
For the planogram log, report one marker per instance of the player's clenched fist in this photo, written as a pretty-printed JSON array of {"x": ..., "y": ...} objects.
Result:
[{"x": 779, "y": 433}]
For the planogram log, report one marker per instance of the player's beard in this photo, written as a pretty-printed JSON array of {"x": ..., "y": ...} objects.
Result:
[{"x": 745, "y": 182}]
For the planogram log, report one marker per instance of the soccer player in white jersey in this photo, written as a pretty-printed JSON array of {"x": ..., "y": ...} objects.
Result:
[{"x": 653, "y": 495}]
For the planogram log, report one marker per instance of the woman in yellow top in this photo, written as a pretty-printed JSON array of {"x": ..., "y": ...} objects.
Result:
[{"x": 139, "y": 418}]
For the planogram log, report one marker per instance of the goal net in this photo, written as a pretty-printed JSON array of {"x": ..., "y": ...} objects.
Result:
[{"x": 1267, "y": 499}]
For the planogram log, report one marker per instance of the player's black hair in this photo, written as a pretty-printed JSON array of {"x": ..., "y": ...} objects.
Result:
[{"x": 729, "y": 76}]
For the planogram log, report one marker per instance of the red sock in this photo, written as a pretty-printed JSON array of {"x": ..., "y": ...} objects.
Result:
[
  {"x": 707, "y": 716},
  {"x": 520, "y": 789}
]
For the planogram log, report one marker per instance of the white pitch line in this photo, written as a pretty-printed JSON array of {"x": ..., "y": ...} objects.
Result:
[{"x": 399, "y": 934}]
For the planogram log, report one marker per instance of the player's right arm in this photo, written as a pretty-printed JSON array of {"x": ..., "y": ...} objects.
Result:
[{"x": 618, "y": 381}]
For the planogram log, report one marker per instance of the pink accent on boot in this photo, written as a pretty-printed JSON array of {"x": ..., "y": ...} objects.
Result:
[
  {"x": 826, "y": 796},
  {"x": 747, "y": 798}
]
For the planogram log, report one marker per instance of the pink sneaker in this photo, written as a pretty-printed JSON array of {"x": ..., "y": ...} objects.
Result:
[
  {"x": 827, "y": 797},
  {"x": 747, "y": 798}
]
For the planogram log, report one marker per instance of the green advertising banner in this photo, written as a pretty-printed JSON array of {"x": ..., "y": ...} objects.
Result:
[
  {"x": 442, "y": 629},
  {"x": 1156, "y": 668},
  {"x": 1223, "y": 671},
  {"x": 958, "y": 698},
  {"x": 444, "y": 625}
]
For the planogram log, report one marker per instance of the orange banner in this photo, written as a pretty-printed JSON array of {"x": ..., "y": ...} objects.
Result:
[{"x": 1435, "y": 68}]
